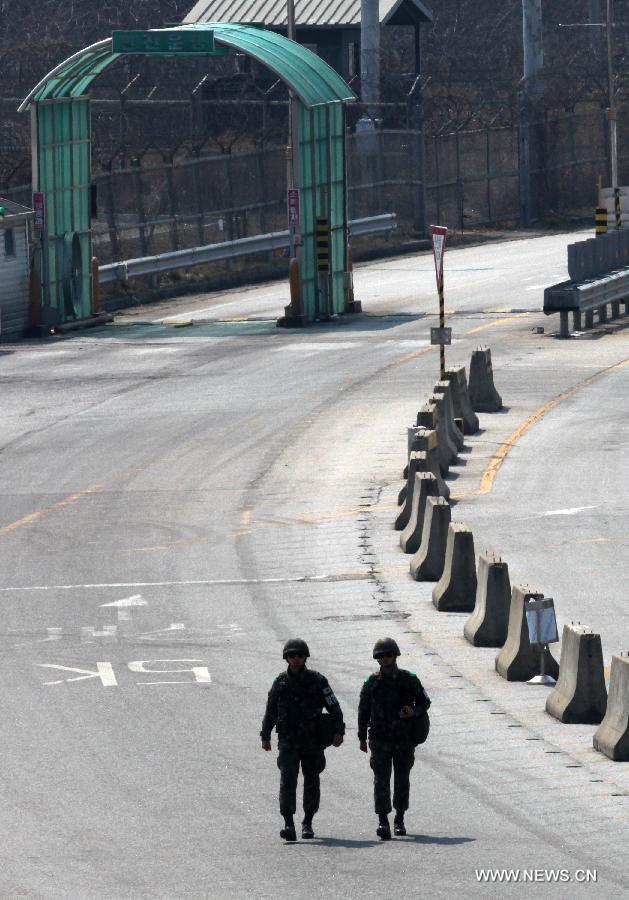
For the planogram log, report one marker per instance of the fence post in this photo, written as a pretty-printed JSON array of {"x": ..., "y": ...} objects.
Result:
[
  {"x": 488, "y": 170},
  {"x": 460, "y": 195},
  {"x": 114, "y": 244},
  {"x": 172, "y": 201},
  {"x": 139, "y": 201},
  {"x": 524, "y": 173}
]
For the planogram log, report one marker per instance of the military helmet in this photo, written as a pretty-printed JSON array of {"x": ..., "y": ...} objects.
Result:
[
  {"x": 296, "y": 645},
  {"x": 385, "y": 645}
]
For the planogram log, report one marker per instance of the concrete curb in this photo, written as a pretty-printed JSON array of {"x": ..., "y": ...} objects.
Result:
[
  {"x": 456, "y": 589},
  {"x": 488, "y": 624},
  {"x": 425, "y": 486},
  {"x": 427, "y": 564},
  {"x": 612, "y": 737},
  {"x": 518, "y": 660},
  {"x": 461, "y": 399},
  {"x": 580, "y": 695},
  {"x": 483, "y": 395}
]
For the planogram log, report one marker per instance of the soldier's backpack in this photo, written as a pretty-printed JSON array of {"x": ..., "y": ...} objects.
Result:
[{"x": 421, "y": 728}]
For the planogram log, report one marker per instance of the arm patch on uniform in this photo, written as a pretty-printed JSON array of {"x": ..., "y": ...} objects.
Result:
[{"x": 330, "y": 699}]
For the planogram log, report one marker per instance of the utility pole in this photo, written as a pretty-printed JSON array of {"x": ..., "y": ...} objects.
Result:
[
  {"x": 370, "y": 60},
  {"x": 532, "y": 90},
  {"x": 611, "y": 112}
]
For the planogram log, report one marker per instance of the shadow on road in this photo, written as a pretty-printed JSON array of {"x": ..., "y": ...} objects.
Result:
[
  {"x": 409, "y": 839},
  {"x": 434, "y": 839}
]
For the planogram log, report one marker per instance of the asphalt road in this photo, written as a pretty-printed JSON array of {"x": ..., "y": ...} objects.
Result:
[{"x": 176, "y": 502}]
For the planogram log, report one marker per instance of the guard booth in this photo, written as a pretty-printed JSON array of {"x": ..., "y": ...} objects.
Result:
[
  {"x": 15, "y": 240},
  {"x": 61, "y": 141}
]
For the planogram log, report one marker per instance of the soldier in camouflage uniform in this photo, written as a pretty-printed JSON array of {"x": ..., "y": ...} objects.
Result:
[
  {"x": 294, "y": 707},
  {"x": 390, "y": 701}
]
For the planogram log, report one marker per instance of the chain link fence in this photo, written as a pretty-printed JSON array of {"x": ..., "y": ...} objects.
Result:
[{"x": 156, "y": 202}]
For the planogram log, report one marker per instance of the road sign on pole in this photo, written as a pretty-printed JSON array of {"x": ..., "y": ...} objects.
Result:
[{"x": 438, "y": 234}]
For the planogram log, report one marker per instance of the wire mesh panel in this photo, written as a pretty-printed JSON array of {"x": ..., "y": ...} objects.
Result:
[{"x": 63, "y": 154}]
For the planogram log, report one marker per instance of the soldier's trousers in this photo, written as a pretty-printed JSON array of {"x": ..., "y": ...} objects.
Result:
[
  {"x": 312, "y": 761},
  {"x": 386, "y": 756}
]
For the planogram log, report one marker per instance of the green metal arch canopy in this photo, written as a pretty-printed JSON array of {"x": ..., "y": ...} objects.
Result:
[{"x": 313, "y": 81}]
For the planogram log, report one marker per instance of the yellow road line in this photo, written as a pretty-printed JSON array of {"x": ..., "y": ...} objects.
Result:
[
  {"x": 32, "y": 517},
  {"x": 489, "y": 475},
  {"x": 493, "y": 324}
]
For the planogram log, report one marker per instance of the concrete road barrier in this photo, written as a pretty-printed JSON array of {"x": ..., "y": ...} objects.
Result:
[
  {"x": 518, "y": 660},
  {"x": 580, "y": 695},
  {"x": 427, "y": 564},
  {"x": 456, "y": 589},
  {"x": 488, "y": 624},
  {"x": 447, "y": 449},
  {"x": 461, "y": 399},
  {"x": 417, "y": 463},
  {"x": 482, "y": 392},
  {"x": 456, "y": 435},
  {"x": 612, "y": 737},
  {"x": 420, "y": 438},
  {"x": 425, "y": 486}
]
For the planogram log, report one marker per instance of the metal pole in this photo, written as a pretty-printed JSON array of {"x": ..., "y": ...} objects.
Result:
[
  {"x": 442, "y": 324},
  {"x": 532, "y": 89},
  {"x": 290, "y": 148},
  {"x": 370, "y": 55},
  {"x": 611, "y": 112}
]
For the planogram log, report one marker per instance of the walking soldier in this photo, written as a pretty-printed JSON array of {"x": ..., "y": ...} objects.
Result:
[
  {"x": 295, "y": 708},
  {"x": 393, "y": 706}
]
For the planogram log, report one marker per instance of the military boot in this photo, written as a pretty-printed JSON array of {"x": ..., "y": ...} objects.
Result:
[
  {"x": 384, "y": 829},
  {"x": 288, "y": 831},
  {"x": 306, "y": 828},
  {"x": 399, "y": 828}
]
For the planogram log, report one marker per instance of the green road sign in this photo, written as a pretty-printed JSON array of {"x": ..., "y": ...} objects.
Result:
[{"x": 167, "y": 43}]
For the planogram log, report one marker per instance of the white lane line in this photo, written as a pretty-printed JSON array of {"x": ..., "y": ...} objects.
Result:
[
  {"x": 311, "y": 346},
  {"x": 567, "y": 512},
  {"x": 126, "y": 602},
  {"x": 134, "y": 584}
]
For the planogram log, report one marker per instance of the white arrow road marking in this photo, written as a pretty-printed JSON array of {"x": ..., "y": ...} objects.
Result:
[
  {"x": 104, "y": 671},
  {"x": 201, "y": 673},
  {"x": 126, "y": 602},
  {"x": 174, "y": 626},
  {"x": 567, "y": 512},
  {"x": 54, "y": 634},
  {"x": 88, "y": 633}
]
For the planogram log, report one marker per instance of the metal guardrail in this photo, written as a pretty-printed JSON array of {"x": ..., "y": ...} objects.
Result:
[
  {"x": 599, "y": 274},
  {"x": 196, "y": 256}
]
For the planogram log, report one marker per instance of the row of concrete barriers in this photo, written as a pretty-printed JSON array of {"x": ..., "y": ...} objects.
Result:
[{"x": 443, "y": 551}]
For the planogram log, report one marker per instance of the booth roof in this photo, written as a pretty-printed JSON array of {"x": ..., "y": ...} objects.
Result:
[{"x": 311, "y": 13}]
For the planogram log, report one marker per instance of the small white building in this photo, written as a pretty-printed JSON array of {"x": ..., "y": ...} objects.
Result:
[{"x": 15, "y": 230}]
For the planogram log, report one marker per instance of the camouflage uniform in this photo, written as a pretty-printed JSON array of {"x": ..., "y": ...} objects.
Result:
[
  {"x": 391, "y": 739},
  {"x": 294, "y": 707}
]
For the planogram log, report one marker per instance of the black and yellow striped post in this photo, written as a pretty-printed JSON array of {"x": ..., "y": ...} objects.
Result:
[
  {"x": 442, "y": 323},
  {"x": 323, "y": 244},
  {"x": 600, "y": 220},
  {"x": 323, "y": 261},
  {"x": 617, "y": 207}
]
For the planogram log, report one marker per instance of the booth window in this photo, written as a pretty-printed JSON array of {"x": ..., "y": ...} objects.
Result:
[{"x": 9, "y": 242}]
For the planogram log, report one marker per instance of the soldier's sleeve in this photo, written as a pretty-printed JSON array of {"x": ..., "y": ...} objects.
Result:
[
  {"x": 364, "y": 710},
  {"x": 421, "y": 700},
  {"x": 332, "y": 704},
  {"x": 270, "y": 715}
]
